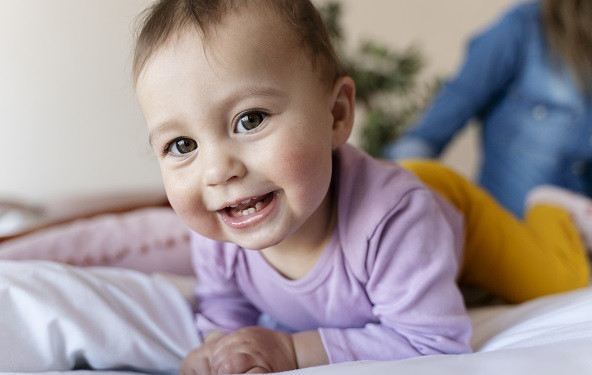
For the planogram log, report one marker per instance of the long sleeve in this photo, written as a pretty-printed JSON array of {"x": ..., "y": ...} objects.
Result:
[
  {"x": 221, "y": 305},
  {"x": 492, "y": 61},
  {"x": 411, "y": 267}
]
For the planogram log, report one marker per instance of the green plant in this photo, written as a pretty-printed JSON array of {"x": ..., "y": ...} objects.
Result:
[{"x": 388, "y": 91}]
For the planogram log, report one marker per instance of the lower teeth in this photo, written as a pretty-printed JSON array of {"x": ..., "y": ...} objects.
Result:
[
  {"x": 249, "y": 211},
  {"x": 252, "y": 210}
]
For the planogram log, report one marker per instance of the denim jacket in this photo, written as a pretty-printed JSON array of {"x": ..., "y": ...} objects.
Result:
[{"x": 536, "y": 124}]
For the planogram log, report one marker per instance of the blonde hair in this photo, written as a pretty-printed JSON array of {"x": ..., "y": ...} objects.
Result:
[
  {"x": 568, "y": 25},
  {"x": 167, "y": 18}
]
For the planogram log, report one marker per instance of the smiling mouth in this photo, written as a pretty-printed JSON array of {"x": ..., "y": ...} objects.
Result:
[{"x": 249, "y": 206}]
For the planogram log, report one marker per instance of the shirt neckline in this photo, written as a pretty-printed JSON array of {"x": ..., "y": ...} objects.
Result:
[{"x": 312, "y": 279}]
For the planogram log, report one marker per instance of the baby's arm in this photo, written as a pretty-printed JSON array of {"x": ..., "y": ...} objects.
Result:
[{"x": 410, "y": 280}]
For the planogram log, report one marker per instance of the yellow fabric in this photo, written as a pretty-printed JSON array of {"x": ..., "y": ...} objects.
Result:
[{"x": 515, "y": 259}]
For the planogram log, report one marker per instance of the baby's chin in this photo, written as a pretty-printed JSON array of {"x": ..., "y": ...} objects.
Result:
[
  {"x": 256, "y": 244},
  {"x": 249, "y": 242},
  {"x": 258, "y": 237}
]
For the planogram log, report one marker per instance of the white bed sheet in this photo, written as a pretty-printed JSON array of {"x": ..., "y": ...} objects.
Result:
[{"x": 112, "y": 317}]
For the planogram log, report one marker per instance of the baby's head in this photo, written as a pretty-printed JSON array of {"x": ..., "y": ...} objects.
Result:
[
  {"x": 245, "y": 102},
  {"x": 167, "y": 18}
]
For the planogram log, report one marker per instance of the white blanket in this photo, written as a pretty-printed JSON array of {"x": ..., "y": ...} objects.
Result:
[{"x": 55, "y": 317}]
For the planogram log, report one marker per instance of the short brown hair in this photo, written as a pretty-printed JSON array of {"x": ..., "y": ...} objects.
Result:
[{"x": 166, "y": 18}]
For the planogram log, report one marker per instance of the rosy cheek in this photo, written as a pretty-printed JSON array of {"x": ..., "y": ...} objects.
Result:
[
  {"x": 180, "y": 200},
  {"x": 178, "y": 197},
  {"x": 309, "y": 170}
]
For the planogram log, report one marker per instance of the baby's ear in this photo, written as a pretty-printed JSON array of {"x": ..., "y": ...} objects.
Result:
[{"x": 344, "y": 94}]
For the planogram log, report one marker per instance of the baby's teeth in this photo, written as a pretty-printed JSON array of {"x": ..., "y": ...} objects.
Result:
[{"x": 249, "y": 211}]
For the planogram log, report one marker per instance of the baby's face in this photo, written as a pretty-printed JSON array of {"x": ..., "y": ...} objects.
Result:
[{"x": 243, "y": 129}]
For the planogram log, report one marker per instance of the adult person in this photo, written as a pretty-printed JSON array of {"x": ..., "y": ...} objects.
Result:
[{"x": 528, "y": 80}]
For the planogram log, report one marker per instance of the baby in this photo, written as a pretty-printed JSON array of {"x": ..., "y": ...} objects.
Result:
[{"x": 346, "y": 257}]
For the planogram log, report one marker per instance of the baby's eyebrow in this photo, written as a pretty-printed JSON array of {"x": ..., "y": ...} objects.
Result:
[
  {"x": 264, "y": 91},
  {"x": 159, "y": 129},
  {"x": 255, "y": 91}
]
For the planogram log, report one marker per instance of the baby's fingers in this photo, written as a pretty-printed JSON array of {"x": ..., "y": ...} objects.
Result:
[
  {"x": 196, "y": 364},
  {"x": 239, "y": 363},
  {"x": 257, "y": 370}
]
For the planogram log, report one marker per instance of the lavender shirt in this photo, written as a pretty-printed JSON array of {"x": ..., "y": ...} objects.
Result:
[{"x": 383, "y": 289}]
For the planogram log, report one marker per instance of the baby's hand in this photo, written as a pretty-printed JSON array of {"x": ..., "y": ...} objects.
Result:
[{"x": 251, "y": 350}]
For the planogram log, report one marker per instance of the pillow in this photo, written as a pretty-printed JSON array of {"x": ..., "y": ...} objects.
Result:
[
  {"x": 150, "y": 240},
  {"x": 56, "y": 317}
]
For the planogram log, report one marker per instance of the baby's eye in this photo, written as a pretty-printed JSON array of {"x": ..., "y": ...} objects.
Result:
[
  {"x": 249, "y": 121},
  {"x": 181, "y": 146}
]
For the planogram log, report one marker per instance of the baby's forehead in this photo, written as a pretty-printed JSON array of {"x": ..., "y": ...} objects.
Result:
[
  {"x": 235, "y": 51},
  {"x": 240, "y": 34},
  {"x": 250, "y": 24},
  {"x": 266, "y": 30}
]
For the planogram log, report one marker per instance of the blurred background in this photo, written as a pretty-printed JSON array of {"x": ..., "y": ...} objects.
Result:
[{"x": 69, "y": 122}]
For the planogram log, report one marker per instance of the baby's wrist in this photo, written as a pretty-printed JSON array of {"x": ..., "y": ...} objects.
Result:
[{"x": 309, "y": 349}]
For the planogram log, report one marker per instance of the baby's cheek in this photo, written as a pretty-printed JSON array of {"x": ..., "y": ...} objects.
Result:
[
  {"x": 181, "y": 207},
  {"x": 183, "y": 202},
  {"x": 188, "y": 204},
  {"x": 308, "y": 170}
]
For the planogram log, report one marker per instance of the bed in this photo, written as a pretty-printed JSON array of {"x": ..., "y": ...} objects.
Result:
[{"x": 128, "y": 310}]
